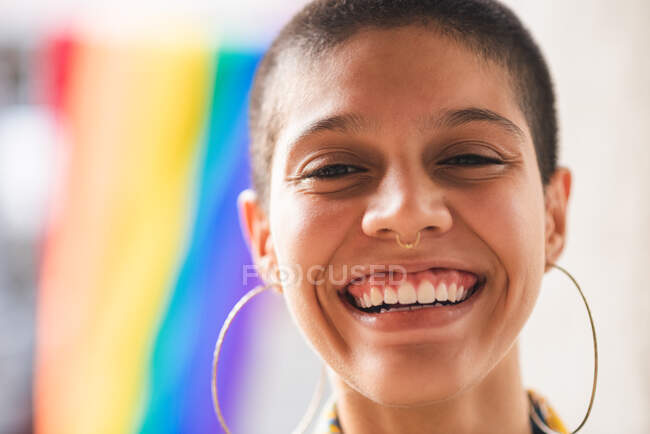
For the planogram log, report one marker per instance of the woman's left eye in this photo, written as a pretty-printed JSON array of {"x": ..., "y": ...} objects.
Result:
[
  {"x": 471, "y": 160},
  {"x": 333, "y": 171}
]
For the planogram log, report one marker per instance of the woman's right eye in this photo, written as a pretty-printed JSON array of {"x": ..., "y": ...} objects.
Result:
[{"x": 333, "y": 171}]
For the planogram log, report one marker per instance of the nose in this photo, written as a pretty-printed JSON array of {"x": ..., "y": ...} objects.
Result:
[{"x": 405, "y": 203}]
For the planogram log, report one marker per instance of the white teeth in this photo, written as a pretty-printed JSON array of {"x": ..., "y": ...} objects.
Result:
[
  {"x": 426, "y": 292},
  {"x": 366, "y": 300},
  {"x": 376, "y": 297},
  {"x": 390, "y": 296},
  {"x": 441, "y": 292},
  {"x": 452, "y": 292},
  {"x": 406, "y": 293}
]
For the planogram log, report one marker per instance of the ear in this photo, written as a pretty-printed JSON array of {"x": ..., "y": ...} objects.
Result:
[
  {"x": 556, "y": 198},
  {"x": 255, "y": 226}
]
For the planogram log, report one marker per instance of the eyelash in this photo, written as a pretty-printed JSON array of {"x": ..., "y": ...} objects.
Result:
[
  {"x": 346, "y": 169},
  {"x": 320, "y": 173},
  {"x": 480, "y": 158}
]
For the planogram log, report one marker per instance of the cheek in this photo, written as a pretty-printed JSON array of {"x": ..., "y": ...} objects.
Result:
[
  {"x": 509, "y": 219},
  {"x": 306, "y": 230},
  {"x": 306, "y": 233}
]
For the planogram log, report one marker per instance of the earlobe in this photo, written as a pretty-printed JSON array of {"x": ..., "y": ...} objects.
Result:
[
  {"x": 255, "y": 227},
  {"x": 556, "y": 197}
]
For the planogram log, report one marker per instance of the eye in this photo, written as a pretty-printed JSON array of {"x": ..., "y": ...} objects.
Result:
[
  {"x": 333, "y": 171},
  {"x": 471, "y": 160}
]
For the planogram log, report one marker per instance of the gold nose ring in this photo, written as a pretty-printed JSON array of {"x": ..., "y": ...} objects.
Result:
[{"x": 408, "y": 245}]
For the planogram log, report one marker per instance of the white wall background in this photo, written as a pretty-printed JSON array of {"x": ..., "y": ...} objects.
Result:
[
  {"x": 598, "y": 54},
  {"x": 597, "y": 51}
]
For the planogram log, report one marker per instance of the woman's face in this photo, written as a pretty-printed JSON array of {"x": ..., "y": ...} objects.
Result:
[{"x": 400, "y": 131}]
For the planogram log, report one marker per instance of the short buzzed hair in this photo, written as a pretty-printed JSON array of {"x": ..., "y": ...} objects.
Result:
[{"x": 486, "y": 27}]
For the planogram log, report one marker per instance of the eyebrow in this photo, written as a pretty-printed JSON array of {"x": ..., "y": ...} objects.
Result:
[
  {"x": 343, "y": 123},
  {"x": 355, "y": 123},
  {"x": 456, "y": 118}
]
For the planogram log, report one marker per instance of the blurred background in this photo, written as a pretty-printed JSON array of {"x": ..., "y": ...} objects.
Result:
[{"x": 123, "y": 146}]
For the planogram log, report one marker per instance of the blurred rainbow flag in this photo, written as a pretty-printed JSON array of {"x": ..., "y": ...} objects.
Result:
[{"x": 144, "y": 252}]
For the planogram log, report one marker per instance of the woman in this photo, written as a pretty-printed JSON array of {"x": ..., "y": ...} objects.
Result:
[{"x": 404, "y": 168}]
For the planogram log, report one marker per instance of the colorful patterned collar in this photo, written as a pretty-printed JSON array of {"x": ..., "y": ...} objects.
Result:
[{"x": 329, "y": 421}]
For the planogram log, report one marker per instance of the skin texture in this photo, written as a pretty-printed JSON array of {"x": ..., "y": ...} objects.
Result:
[{"x": 497, "y": 219}]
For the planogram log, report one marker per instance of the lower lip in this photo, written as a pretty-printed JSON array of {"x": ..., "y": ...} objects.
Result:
[{"x": 430, "y": 317}]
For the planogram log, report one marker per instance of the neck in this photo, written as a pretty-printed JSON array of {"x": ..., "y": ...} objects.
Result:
[{"x": 497, "y": 404}]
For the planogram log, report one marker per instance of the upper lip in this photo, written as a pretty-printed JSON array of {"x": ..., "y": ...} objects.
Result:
[{"x": 364, "y": 271}]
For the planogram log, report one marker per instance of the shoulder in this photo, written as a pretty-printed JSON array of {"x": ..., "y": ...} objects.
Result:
[
  {"x": 328, "y": 421},
  {"x": 545, "y": 413}
]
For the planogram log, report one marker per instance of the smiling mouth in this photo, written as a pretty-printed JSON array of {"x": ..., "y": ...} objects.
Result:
[{"x": 432, "y": 288}]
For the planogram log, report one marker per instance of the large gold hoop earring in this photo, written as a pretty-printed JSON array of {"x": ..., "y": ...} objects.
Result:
[
  {"x": 540, "y": 424},
  {"x": 316, "y": 397}
]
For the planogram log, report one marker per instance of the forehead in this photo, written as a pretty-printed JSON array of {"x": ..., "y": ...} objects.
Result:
[{"x": 396, "y": 81}]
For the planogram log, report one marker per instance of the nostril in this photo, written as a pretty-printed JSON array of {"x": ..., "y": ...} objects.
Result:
[{"x": 385, "y": 233}]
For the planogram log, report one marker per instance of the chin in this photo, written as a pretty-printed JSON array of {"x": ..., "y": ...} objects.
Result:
[{"x": 396, "y": 388}]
